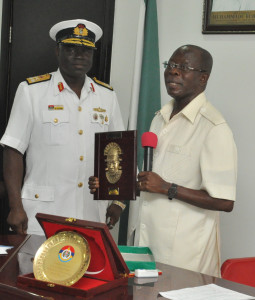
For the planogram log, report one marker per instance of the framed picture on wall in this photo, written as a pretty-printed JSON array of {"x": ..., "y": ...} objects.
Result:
[{"x": 229, "y": 16}]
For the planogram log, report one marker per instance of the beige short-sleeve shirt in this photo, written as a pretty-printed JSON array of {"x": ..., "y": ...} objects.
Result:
[{"x": 196, "y": 150}]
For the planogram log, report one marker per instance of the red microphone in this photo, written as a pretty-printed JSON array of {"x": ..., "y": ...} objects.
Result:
[{"x": 149, "y": 141}]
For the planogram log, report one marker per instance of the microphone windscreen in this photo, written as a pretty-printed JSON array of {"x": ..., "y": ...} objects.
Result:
[{"x": 149, "y": 139}]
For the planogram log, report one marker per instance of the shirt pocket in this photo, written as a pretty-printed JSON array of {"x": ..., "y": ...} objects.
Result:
[
  {"x": 177, "y": 166},
  {"x": 37, "y": 193},
  {"x": 56, "y": 127}
]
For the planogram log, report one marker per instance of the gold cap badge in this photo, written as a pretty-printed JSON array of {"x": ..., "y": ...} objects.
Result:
[{"x": 80, "y": 30}]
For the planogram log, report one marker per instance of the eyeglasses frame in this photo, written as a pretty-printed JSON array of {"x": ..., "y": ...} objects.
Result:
[{"x": 184, "y": 68}]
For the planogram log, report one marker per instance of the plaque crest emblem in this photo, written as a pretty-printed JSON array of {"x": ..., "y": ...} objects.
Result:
[
  {"x": 80, "y": 30},
  {"x": 66, "y": 253},
  {"x": 113, "y": 168}
]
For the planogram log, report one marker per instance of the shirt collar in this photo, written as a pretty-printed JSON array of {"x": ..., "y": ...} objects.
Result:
[
  {"x": 190, "y": 111},
  {"x": 89, "y": 85},
  {"x": 60, "y": 84}
]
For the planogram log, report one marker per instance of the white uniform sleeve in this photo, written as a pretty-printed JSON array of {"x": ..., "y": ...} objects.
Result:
[
  {"x": 18, "y": 130},
  {"x": 219, "y": 163}
]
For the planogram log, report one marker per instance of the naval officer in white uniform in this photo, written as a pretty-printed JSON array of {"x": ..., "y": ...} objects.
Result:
[{"x": 54, "y": 119}]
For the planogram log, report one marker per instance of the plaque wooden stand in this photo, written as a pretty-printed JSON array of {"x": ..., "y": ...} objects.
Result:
[{"x": 117, "y": 148}]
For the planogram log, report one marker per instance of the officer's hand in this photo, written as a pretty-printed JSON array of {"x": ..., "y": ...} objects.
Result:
[
  {"x": 113, "y": 214},
  {"x": 17, "y": 219},
  {"x": 93, "y": 184}
]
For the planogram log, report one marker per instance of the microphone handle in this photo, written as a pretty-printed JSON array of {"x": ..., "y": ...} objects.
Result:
[{"x": 148, "y": 158}]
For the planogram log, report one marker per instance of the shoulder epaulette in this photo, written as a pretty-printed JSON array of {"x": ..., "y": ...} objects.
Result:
[
  {"x": 212, "y": 114},
  {"x": 103, "y": 84},
  {"x": 39, "y": 78}
]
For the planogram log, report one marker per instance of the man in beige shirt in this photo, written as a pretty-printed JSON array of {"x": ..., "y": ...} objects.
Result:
[{"x": 194, "y": 170}]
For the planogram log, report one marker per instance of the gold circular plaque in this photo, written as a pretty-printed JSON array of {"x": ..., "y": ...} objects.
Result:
[{"x": 62, "y": 259}]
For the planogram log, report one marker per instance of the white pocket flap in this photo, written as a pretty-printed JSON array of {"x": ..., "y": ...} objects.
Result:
[
  {"x": 37, "y": 193},
  {"x": 55, "y": 117}
]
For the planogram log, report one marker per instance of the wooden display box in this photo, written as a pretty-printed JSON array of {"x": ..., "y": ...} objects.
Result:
[
  {"x": 110, "y": 270},
  {"x": 116, "y": 184}
]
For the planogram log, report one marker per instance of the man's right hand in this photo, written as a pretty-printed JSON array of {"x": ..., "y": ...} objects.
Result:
[
  {"x": 93, "y": 184},
  {"x": 17, "y": 219},
  {"x": 13, "y": 170}
]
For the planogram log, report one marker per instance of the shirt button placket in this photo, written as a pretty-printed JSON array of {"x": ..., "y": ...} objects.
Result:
[
  {"x": 80, "y": 132},
  {"x": 80, "y": 184},
  {"x": 81, "y": 158}
]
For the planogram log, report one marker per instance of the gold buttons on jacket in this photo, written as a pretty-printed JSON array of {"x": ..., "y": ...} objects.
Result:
[
  {"x": 80, "y": 184},
  {"x": 80, "y": 132},
  {"x": 36, "y": 196},
  {"x": 81, "y": 157},
  {"x": 79, "y": 108},
  {"x": 55, "y": 120}
]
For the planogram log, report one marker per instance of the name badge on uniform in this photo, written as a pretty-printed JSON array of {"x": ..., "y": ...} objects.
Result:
[{"x": 55, "y": 107}]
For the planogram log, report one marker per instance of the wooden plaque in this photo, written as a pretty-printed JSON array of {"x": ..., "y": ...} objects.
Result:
[{"x": 116, "y": 165}]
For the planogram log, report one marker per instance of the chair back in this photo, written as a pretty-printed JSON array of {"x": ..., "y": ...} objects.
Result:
[{"x": 241, "y": 270}]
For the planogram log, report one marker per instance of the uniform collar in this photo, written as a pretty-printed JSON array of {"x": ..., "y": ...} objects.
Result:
[
  {"x": 60, "y": 84},
  {"x": 190, "y": 111},
  {"x": 90, "y": 85}
]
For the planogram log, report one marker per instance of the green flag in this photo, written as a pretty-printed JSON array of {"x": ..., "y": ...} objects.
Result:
[
  {"x": 149, "y": 95},
  {"x": 145, "y": 89}
]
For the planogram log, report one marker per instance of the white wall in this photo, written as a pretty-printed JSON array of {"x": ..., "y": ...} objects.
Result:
[
  {"x": 123, "y": 51},
  {"x": 231, "y": 89}
]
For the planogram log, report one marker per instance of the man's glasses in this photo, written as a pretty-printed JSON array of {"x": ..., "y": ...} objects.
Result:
[{"x": 184, "y": 68}]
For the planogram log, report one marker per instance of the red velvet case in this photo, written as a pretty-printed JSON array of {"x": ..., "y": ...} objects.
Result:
[{"x": 107, "y": 268}]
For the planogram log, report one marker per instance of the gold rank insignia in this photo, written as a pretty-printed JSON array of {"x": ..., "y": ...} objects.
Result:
[
  {"x": 80, "y": 30},
  {"x": 103, "y": 84},
  {"x": 39, "y": 78},
  {"x": 99, "y": 109}
]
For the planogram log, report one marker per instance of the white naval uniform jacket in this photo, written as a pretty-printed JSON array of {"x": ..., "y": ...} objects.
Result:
[
  {"x": 196, "y": 150},
  {"x": 56, "y": 129}
]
